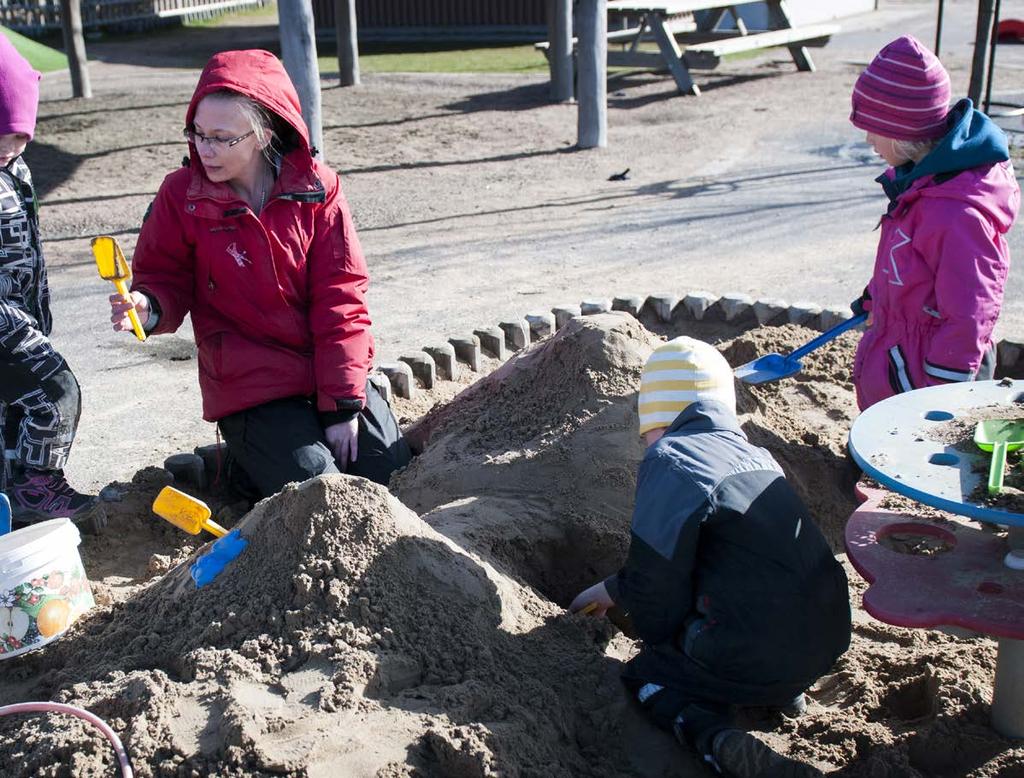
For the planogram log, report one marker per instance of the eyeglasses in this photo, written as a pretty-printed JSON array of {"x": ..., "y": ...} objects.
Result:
[{"x": 215, "y": 143}]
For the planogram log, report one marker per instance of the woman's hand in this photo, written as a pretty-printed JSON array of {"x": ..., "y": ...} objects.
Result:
[
  {"x": 594, "y": 600},
  {"x": 119, "y": 308},
  {"x": 343, "y": 439}
]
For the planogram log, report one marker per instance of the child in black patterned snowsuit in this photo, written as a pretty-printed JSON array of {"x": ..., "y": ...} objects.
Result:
[{"x": 39, "y": 394}]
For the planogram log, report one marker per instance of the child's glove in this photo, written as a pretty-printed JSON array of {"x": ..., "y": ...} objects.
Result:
[{"x": 857, "y": 306}]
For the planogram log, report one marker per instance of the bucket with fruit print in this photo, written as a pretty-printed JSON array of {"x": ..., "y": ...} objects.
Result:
[{"x": 43, "y": 586}]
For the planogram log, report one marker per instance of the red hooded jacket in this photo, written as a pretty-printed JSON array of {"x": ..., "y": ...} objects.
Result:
[{"x": 278, "y": 301}]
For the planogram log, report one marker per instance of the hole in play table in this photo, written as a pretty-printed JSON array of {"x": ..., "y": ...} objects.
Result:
[
  {"x": 916, "y": 539},
  {"x": 948, "y": 460},
  {"x": 938, "y": 416}
]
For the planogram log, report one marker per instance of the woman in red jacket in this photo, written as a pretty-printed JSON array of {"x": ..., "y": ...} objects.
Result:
[{"x": 253, "y": 238}]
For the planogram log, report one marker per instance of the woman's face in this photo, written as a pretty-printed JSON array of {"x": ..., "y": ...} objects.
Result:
[{"x": 222, "y": 118}]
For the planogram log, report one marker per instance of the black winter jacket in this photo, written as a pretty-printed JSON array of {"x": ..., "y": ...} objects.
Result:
[
  {"x": 24, "y": 294},
  {"x": 725, "y": 561}
]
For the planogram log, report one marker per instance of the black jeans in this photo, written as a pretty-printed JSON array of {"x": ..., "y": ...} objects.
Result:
[{"x": 283, "y": 441}]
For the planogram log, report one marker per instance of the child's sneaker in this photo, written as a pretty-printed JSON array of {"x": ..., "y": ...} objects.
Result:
[
  {"x": 37, "y": 495},
  {"x": 796, "y": 708},
  {"x": 741, "y": 755}
]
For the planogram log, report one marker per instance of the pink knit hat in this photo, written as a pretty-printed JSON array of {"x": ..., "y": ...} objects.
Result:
[
  {"x": 903, "y": 94},
  {"x": 19, "y": 91}
]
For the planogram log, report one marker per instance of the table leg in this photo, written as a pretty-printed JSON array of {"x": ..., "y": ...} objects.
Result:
[
  {"x": 778, "y": 19},
  {"x": 1008, "y": 691},
  {"x": 711, "y": 19},
  {"x": 672, "y": 55}
]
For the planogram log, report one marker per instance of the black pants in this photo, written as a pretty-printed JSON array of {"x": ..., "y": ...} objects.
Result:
[
  {"x": 283, "y": 441},
  {"x": 38, "y": 416},
  {"x": 682, "y": 696}
]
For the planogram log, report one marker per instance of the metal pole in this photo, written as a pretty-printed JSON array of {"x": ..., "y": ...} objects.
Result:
[
  {"x": 990, "y": 77},
  {"x": 938, "y": 27},
  {"x": 560, "y": 52},
  {"x": 981, "y": 39},
  {"x": 298, "y": 50},
  {"x": 74, "y": 47},
  {"x": 1008, "y": 689},
  {"x": 592, "y": 57},
  {"x": 346, "y": 33}
]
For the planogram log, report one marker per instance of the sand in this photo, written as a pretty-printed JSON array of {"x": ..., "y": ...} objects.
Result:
[{"x": 355, "y": 637}]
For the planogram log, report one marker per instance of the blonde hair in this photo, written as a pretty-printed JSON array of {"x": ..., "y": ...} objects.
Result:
[
  {"x": 914, "y": 150},
  {"x": 259, "y": 119}
]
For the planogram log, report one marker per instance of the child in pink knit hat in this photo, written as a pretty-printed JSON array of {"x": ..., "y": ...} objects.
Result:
[
  {"x": 942, "y": 259},
  {"x": 39, "y": 395}
]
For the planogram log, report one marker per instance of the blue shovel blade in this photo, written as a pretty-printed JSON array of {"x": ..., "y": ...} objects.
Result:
[
  {"x": 770, "y": 367},
  {"x": 5, "y": 515}
]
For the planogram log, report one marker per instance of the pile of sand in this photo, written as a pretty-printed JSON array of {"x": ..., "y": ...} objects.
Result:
[
  {"x": 354, "y": 638},
  {"x": 348, "y": 639},
  {"x": 534, "y": 466}
]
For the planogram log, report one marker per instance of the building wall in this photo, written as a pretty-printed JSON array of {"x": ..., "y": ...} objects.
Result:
[
  {"x": 438, "y": 13},
  {"x": 808, "y": 11},
  {"x": 529, "y": 17}
]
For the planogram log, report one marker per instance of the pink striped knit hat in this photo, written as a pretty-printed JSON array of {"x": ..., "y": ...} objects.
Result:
[
  {"x": 19, "y": 91},
  {"x": 903, "y": 94}
]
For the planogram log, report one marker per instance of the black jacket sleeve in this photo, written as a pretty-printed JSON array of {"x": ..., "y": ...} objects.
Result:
[{"x": 655, "y": 587}]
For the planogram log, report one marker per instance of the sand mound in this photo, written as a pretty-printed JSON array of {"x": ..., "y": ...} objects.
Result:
[
  {"x": 349, "y": 639},
  {"x": 535, "y": 464},
  {"x": 354, "y": 638}
]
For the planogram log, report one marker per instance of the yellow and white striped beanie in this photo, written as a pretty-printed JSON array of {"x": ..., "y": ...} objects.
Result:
[{"x": 678, "y": 373}]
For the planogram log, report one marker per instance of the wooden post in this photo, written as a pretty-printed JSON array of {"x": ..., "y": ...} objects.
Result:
[
  {"x": 592, "y": 58},
  {"x": 345, "y": 31},
  {"x": 986, "y": 12},
  {"x": 74, "y": 47},
  {"x": 560, "y": 57},
  {"x": 298, "y": 50}
]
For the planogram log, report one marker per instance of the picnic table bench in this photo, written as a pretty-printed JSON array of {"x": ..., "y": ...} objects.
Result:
[{"x": 696, "y": 43}]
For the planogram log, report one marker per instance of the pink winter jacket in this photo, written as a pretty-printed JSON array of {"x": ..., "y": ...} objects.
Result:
[{"x": 937, "y": 286}]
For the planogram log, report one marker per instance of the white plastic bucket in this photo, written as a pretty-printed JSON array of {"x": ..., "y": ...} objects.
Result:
[{"x": 43, "y": 586}]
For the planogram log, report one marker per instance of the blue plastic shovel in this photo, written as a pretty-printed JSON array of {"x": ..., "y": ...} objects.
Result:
[
  {"x": 5, "y": 515},
  {"x": 772, "y": 367}
]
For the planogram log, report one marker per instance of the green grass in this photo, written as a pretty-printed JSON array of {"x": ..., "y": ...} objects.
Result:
[
  {"x": 42, "y": 58},
  {"x": 412, "y": 58},
  {"x": 269, "y": 12}
]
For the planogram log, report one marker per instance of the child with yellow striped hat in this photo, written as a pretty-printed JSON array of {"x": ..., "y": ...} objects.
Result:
[{"x": 729, "y": 584}]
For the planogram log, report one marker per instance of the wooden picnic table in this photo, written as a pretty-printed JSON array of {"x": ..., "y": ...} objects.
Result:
[{"x": 700, "y": 45}]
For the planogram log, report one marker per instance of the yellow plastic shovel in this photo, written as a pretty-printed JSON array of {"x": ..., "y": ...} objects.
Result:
[
  {"x": 186, "y": 512},
  {"x": 113, "y": 266}
]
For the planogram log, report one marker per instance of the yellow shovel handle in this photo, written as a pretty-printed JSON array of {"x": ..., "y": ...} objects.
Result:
[
  {"x": 213, "y": 527},
  {"x": 122, "y": 289}
]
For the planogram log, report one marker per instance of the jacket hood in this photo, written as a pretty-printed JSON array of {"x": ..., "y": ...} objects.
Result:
[
  {"x": 257, "y": 74},
  {"x": 705, "y": 415},
  {"x": 968, "y": 163}
]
